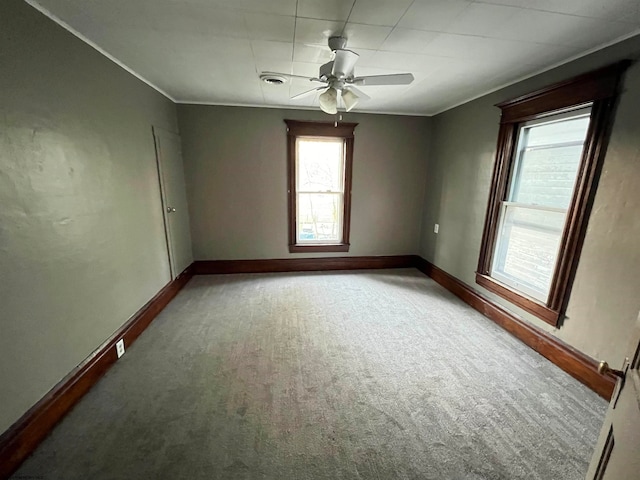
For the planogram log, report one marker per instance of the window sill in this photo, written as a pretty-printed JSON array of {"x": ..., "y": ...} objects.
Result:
[
  {"x": 319, "y": 248},
  {"x": 534, "y": 307}
]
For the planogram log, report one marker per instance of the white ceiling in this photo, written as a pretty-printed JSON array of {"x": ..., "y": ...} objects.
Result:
[{"x": 212, "y": 51}]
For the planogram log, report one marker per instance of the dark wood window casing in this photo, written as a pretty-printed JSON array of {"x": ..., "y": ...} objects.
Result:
[
  {"x": 295, "y": 129},
  {"x": 599, "y": 89}
]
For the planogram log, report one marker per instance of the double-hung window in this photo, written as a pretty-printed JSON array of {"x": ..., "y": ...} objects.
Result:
[
  {"x": 550, "y": 148},
  {"x": 533, "y": 215},
  {"x": 319, "y": 185}
]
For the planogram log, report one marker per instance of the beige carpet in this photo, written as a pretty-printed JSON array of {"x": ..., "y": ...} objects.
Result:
[{"x": 343, "y": 375}]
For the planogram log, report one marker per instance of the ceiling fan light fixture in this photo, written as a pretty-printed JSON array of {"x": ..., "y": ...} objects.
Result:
[
  {"x": 350, "y": 99},
  {"x": 329, "y": 101},
  {"x": 339, "y": 79}
]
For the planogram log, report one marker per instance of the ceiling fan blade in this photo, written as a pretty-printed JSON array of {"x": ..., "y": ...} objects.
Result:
[
  {"x": 316, "y": 45},
  {"x": 393, "y": 79},
  {"x": 308, "y": 92},
  {"x": 344, "y": 62},
  {"x": 358, "y": 92},
  {"x": 289, "y": 75}
]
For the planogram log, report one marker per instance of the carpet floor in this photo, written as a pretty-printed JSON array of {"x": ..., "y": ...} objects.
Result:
[{"x": 342, "y": 375}]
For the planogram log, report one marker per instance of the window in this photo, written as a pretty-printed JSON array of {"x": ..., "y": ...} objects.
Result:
[
  {"x": 533, "y": 215},
  {"x": 320, "y": 156},
  {"x": 550, "y": 148}
]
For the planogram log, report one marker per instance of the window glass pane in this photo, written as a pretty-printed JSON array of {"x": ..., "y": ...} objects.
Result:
[
  {"x": 319, "y": 217},
  {"x": 547, "y": 176},
  {"x": 548, "y": 161},
  {"x": 527, "y": 248},
  {"x": 562, "y": 131},
  {"x": 320, "y": 165}
]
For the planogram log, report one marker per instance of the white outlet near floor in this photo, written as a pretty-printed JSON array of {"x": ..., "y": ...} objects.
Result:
[
  {"x": 436, "y": 227},
  {"x": 120, "y": 347}
]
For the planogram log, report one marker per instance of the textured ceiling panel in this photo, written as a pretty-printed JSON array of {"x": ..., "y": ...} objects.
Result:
[{"x": 213, "y": 51}]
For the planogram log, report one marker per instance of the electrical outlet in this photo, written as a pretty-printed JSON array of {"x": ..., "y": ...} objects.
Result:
[
  {"x": 120, "y": 347},
  {"x": 436, "y": 227}
]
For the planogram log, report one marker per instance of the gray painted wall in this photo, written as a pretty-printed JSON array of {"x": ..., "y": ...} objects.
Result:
[
  {"x": 604, "y": 301},
  {"x": 81, "y": 234},
  {"x": 236, "y": 168}
]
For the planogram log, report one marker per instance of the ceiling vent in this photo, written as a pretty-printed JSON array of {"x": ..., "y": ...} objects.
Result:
[{"x": 273, "y": 79}]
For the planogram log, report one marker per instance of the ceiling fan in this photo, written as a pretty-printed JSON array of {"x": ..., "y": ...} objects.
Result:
[{"x": 340, "y": 79}]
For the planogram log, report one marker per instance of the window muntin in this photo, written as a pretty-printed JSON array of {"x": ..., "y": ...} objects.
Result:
[
  {"x": 533, "y": 216},
  {"x": 320, "y": 175}
]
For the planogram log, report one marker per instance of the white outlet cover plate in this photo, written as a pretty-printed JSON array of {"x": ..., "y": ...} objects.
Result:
[
  {"x": 436, "y": 227},
  {"x": 120, "y": 347}
]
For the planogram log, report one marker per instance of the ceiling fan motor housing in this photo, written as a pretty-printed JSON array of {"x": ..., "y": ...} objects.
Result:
[{"x": 337, "y": 43}]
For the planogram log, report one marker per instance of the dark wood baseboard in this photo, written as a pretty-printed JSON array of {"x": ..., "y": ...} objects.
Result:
[
  {"x": 205, "y": 267},
  {"x": 575, "y": 363},
  {"x": 17, "y": 443}
]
